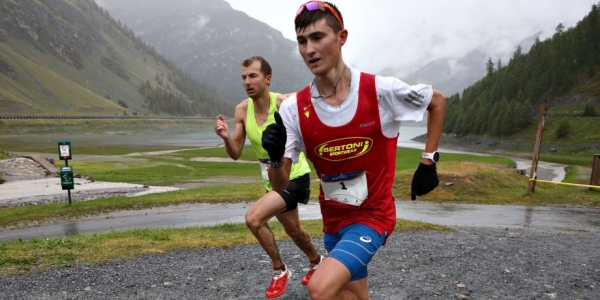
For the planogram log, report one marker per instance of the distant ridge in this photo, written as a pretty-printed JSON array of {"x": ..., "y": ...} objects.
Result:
[{"x": 208, "y": 39}]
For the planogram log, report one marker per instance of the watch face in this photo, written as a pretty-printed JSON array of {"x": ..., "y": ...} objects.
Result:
[{"x": 436, "y": 156}]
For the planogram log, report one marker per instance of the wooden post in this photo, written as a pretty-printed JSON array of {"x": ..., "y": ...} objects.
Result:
[
  {"x": 536, "y": 149},
  {"x": 595, "y": 178}
]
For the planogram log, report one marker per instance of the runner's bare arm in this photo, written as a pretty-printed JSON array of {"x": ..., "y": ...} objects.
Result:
[
  {"x": 435, "y": 123},
  {"x": 280, "y": 177},
  {"x": 235, "y": 145}
]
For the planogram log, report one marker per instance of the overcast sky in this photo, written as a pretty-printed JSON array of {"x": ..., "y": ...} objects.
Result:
[{"x": 408, "y": 34}]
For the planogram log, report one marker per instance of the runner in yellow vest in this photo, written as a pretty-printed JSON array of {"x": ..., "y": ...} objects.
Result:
[{"x": 251, "y": 118}]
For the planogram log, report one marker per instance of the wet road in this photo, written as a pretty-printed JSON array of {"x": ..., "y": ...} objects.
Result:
[{"x": 494, "y": 216}]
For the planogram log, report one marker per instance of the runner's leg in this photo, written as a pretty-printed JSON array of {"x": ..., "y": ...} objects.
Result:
[
  {"x": 291, "y": 222},
  {"x": 257, "y": 217}
]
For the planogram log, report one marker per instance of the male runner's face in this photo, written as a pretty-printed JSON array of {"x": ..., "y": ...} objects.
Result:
[
  {"x": 319, "y": 47},
  {"x": 254, "y": 81}
]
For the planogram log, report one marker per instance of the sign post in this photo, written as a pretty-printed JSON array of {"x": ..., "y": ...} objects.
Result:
[
  {"x": 536, "y": 149},
  {"x": 595, "y": 178},
  {"x": 67, "y": 180}
]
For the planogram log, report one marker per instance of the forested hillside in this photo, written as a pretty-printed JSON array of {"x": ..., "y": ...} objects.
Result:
[
  {"x": 70, "y": 57},
  {"x": 562, "y": 71}
]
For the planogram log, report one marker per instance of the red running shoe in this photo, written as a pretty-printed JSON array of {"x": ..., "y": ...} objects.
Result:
[
  {"x": 278, "y": 283},
  {"x": 311, "y": 270}
]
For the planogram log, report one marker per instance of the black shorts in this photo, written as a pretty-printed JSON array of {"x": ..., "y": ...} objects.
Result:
[{"x": 298, "y": 191}]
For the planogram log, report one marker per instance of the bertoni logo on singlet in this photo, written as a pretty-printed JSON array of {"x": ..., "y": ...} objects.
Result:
[{"x": 345, "y": 148}]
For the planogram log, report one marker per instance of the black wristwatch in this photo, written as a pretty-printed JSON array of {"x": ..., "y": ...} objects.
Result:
[
  {"x": 433, "y": 156},
  {"x": 276, "y": 164}
]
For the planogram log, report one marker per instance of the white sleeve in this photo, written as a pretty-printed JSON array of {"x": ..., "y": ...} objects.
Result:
[
  {"x": 404, "y": 102},
  {"x": 289, "y": 115}
]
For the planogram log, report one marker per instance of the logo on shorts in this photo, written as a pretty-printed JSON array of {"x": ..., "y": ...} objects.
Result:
[{"x": 366, "y": 239}]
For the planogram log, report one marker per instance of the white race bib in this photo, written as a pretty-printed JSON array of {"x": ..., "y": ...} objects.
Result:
[
  {"x": 348, "y": 188},
  {"x": 264, "y": 168}
]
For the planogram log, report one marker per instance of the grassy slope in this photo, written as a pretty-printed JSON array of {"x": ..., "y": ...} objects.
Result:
[
  {"x": 43, "y": 84},
  {"x": 38, "y": 72}
]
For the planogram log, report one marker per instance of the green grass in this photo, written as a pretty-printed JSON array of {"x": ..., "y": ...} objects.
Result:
[
  {"x": 179, "y": 167},
  {"x": 578, "y": 148},
  {"x": 25, "y": 256},
  {"x": 479, "y": 183},
  {"x": 162, "y": 172},
  {"x": 572, "y": 175}
]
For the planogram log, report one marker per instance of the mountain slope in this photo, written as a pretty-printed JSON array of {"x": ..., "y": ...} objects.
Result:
[
  {"x": 209, "y": 39},
  {"x": 71, "y": 58},
  {"x": 452, "y": 75}
]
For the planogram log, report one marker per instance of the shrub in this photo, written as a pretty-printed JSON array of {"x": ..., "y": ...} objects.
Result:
[
  {"x": 563, "y": 130},
  {"x": 589, "y": 110},
  {"x": 122, "y": 103}
]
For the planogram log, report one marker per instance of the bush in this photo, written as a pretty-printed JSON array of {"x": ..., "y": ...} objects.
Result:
[
  {"x": 122, "y": 103},
  {"x": 589, "y": 110},
  {"x": 563, "y": 130}
]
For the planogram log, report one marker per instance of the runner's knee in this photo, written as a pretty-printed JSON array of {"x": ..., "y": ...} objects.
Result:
[
  {"x": 294, "y": 232},
  {"x": 253, "y": 222},
  {"x": 317, "y": 290}
]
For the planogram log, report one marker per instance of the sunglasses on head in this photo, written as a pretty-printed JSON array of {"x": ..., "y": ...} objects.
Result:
[{"x": 318, "y": 5}]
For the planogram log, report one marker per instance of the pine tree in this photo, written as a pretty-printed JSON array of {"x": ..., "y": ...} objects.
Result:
[{"x": 489, "y": 67}]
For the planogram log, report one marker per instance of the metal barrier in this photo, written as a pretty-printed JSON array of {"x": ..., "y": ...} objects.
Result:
[{"x": 566, "y": 183}]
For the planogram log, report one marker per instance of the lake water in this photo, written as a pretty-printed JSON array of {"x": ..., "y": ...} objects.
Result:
[{"x": 190, "y": 138}]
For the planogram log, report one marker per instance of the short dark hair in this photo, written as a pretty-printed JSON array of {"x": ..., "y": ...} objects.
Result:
[
  {"x": 265, "y": 67},
  {"x": 307, "y": 18}
]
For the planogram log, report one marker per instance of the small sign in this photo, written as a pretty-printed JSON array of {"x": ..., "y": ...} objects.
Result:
[{"x": 64, "y": 149}]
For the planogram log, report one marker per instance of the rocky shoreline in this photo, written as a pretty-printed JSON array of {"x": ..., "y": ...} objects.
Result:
[{"x": 20, "y": 168}]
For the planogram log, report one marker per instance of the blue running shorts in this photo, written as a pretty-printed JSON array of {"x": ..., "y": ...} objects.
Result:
[{"x": 354, "y": 246}]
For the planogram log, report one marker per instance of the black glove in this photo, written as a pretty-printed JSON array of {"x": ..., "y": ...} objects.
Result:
[
  {"x": 273, "y": 140},
  {"x": 424, "y": 180}
]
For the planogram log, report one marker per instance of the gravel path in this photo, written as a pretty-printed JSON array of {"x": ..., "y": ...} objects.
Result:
[{"x": 467, "y": 264}]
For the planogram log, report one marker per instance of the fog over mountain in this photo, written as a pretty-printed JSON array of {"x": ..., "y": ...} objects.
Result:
[
  {"x": 409, "y": 34},
  {"x": 401, "y": 37},
  {"x": 451, "y": 75},
  {"x": 443, "y": 43}
]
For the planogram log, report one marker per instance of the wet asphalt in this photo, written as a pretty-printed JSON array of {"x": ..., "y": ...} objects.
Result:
[{"x": 564, "y": 219}]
